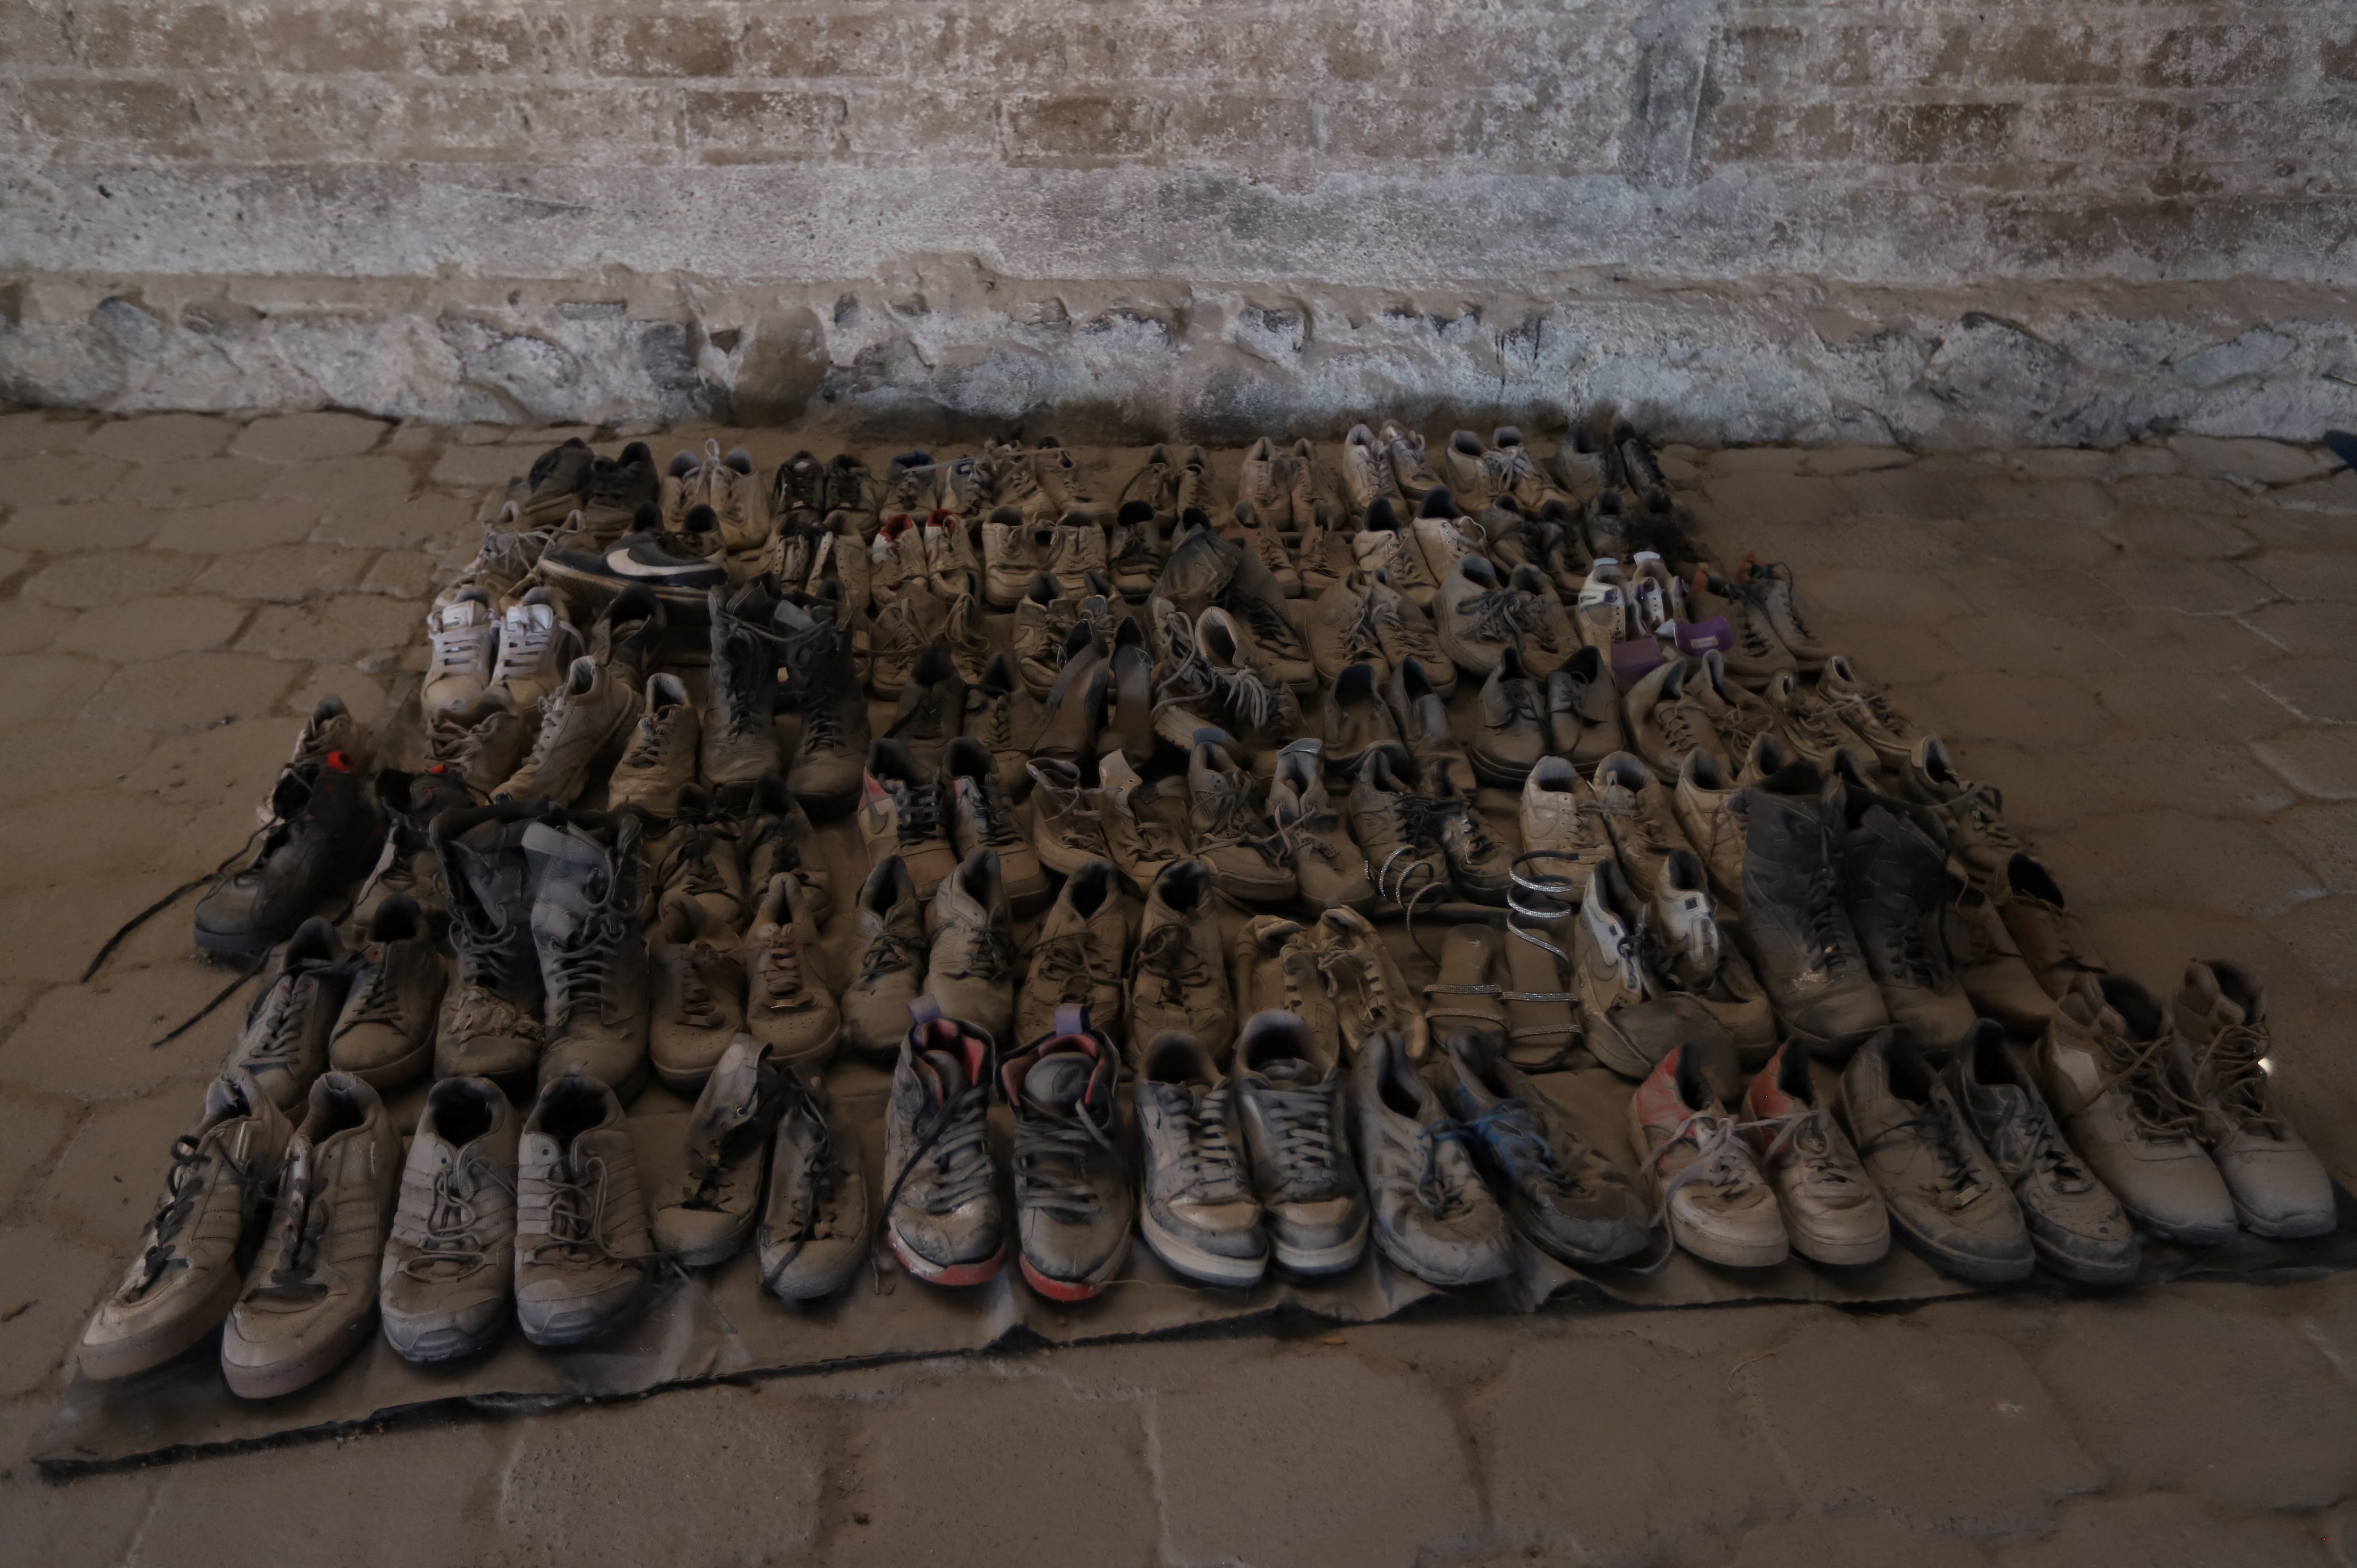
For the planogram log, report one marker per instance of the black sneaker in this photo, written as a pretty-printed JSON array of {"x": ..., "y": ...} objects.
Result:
[
  {"x": 681, "y": 567},
  {"x": 323, "y": 833}
]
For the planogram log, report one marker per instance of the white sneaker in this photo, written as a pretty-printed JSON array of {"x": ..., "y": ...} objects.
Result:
[
  {"x": 1603, "y": 613},
  {"x": 537, "y": 646},
  {"x": 466, "y": 638}
]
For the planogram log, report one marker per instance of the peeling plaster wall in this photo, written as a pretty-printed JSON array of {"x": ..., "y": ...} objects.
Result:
[{"x": 1929, "y": 222}]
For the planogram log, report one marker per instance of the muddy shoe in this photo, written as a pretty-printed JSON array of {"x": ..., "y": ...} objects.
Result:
[
  {"x": 814, "y": 1226},
  {"x": 1370, "y": 994},
  {"x": 2052, "y": 942},
  {"x": 706, "y": 1219},
  {"x": 981, "y": 818},
  {"x": 825, "y": 773},
  {"x": 1144, "y": 828},
  {"x": 1289, "y": 1093},
  {"x": 1079, "y": 958},
  {"x": 1343, "y": 629},
  {"x": 788, "y": 1006},
  {"x": 310, "y": 1299},
  {"x": 739, "y": 736},
  {"x": 970, "y": 974},
  {"x": 1406, "y": 631},
  {"x": 1802, "y": 945},
  {"x": 321, "y": 834},
  {"x": 1895, "y": 886},
  {"x": 1562, "y": 821},
  {"x": 1944, "y": 1194},
  {"x": 184, "y": 1279},
  {"x": 1232, "y": 831},
  {"x": 587, "y": 876},
  {"x": 2075, "y": 1224},
  {"x": 903, "y": 812},
  {"x": 1198, "y": 1212},
  {"x": 1703, "y": 804},
  {"x": 1568, "y": 1199},
  {"x": 659, "y": 757},
  {"x": 1665, "y": 725},
  {"x": 1392, "y": 822},
  {"x": 1434, "y": 1217},
  {"x": 1479, "y": 864},
  {"x": 1695, "y": 955},
  {"x": 1178, "y": 977},
  {"x": 587, "y": 718},
  {"x": 384, "y": 1035},
  {"x": 2222, "y": 1046},
  {"x": 889, "y": 920},
  {"x": 1832, "y": 1209},
  {"x": 1331, "y": 870},
  {"x": 1758, "y": 656},
  {"x": 1699, "y": 1172},
  {"x": 696, "y": 981},
  {"x": 445, "y": 1288},
  {"x": 490, "y": 1024},
  {"x": 585, "y": 1255},
  {"x": 1633, "y": 1016},
  {"x": 283, "y": 1042},
  {"x": 1072, "y": 1199},
  {"x": 481, "y": 745},
  {"x": 465, "y": 637},
  {"x": 942, "y": 1211},
  {"x": 1510, "y": 732},
  {"x": 1583, "y": 716}
]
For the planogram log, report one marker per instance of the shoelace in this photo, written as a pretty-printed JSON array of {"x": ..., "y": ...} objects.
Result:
[
  {"x": 584, "y": 962},
  {"x": 291, "y": 1279},
  {"x": 1720, "y": 1159},
  {"x": 1513, "y": 1132},
  {"x": 1300, "y": 1127},
  {"x": 1167, "y": 954},
  {"x": 282, "y": 1031},
  {"x": 1445, "y": 1199},
  {"x": 781, "y": 963},
  {"x": 1960, "y": 1183},
  {"x": 1067, "y": 968},
  {"x": 650, "y": 739},
  {"x": 1501, "y": 615},
  {"x": 523, "y": 643},
  {"x": 1234, "y": 821},
  {"x": 990, "y": 957},
  {"x": 692, "y": 865},
  {"x": 1052, "y": 1156},
  {"x": 1271, "y": 626},
  {"x": 919, "y": 808},
  {"x": 2155, "y": 1103},
  {"x": 460, "y": 650},
  {"x": 576, "y": 1216},
  {"x": 1807, "y": 1136},
  {"x": 1210, "y": 1167},
  {"x": 2238, "y": 1081},
  {"x": 182, "y": 1191},
  {"x": 814, "y": 1212},
  {"x": 1976, "y": 804},
  {"x": 952, "y": 1133},
  {"x": 888, "y": 954},
  {"x": 379, "y": 1001},
  {"x": 454, "y": 1247},
  {"x": 1821, "y": 923},
  {"x": 1521, "y": 705},
  {"x": 697, "y": 1002}
]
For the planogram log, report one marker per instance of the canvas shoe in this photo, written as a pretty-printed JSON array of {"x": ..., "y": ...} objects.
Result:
[
  {"x": 1278, "y": 968},
  {"x": 1232, "y": 832},
  {"x": 1434, "y": 1217},
  {"x": 584, "y": 1251},
  {"x": 1945, "y": 1196},
  {"x": 1367, "y": 474},
  {"x": 282, "y": 1045},
  {"x": 905, "y": 623},
  {"x": 1583, "y": 713},
  {"x": 319, "y": 832},
  {"x": 1199, "y": 1213},
  {"x": 1386, "y": 543},
  {"x": 1832, "y": 1210},
  {"x": 726, "y": 484},
  {"x": 1406, "y": 631},
  {"x": 1155, "y": 486},
  {"x": 1425, "y": 731},
  {"x": 1012, "y": 552},
  {"x": 1698, "y": 1170},
  {"x": 1568, "y": 1198},
  {"x": 1288, "y": 1094},
  {"x": 1392, "y": 822},
  {"x": 707, "y": 1214},
  {"x": 1142, "y": 829},
  {"x": 1703, "y": 803},
  {"x": 588, "y": 876},
  {"x": 445, "y": 1288},
  {"x": 1081, "y": 956},
  {"x": 942, "y": 1212},
  {"x": 1561, "y": 821},
  {"x": 1971, "y": 816},
  {"x": 1632, "y": 1017},
  {"x": 1446, "y": 537},
  {"x": 1665, "y": 725},
  {"x": 1601, "y": 615},
  {"x": 2221, "y": 1049},
  {"x": 1895, "y": 887},
  {"x": 789, "y": 1005},
  {"x": 1344, "y": 630},
  {"x": 1264, "y": 479},
  {"x": 1636, "y": 808},
  {"x": 385, "y": 1034},
  {"x": 537, "y": 646},
  {"x": 1757, "y": 656},
  {"x": 1695, "y": 955},
  {"x": 896, "y": 557},
  {"x": 2051, "y": 940},
  {"x": 1072, "y": 1199},
  {"x": 1042, "y": 621},
  {"x": 463, "y": 635},
  {"x": 659, "y": 759},
  {"x": 814, "y": 1221},
  {"x": 1179, "y": 975},
  {"x": 1331, "y": 871},
  {"x": 1509, "y": 734},
  {"x": 184, "y": 1278},
  {"x": 1407, "y": 451},
  {"x": 1799, "y": 934},
  {"x": 905, "y": 813},
  {"x": 2076, "y": 1227},
  {"x": 888, "y": 921},
  {"x": 697, "y": 995},
  {"x": 970, "y": 974}
]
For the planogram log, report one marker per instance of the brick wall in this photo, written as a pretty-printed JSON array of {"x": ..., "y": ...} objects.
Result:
[{"x": 1936, "y": 223}]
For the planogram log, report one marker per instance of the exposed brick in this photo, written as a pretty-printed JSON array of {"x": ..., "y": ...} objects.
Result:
[
  {"x": 2238, "y": 55},
  {"x": 662, "y": 44},
  {"x": 1090, "y": 129}
]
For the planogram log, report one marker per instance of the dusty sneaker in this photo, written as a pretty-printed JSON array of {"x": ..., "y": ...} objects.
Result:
[
  {"x": 2222, "y": 1046},
  {"x": 184, "y": 1278},
  {"x": 584, "y": 721},
  {"x": 1278, "y": 969},
  {"x": 1404, "y": 631},
  {"x": 1633, "y": 1016},
  {"x": 1699, "y": 1172},
  {"x": 1080, "y": 956},
  {"x": 481, "y": 745},
  {"x": 1758, "y": 656},
  {"x": 1386, "y": 544},
  {"x": 445, "y": 1289},
  {"x": 706, "y": 1218},
  {"x": 942, "y": 1212},
  {"x": 1832, "y": 1210},
  {"x": 1371, "y": 995},
  {"x": 981, "y": 818},
  {"x": 2075, "y": 1225},
  {"x": 697, "y": 985},
  {"x": 1794, "y": 625},
  {"x": 971, "y": 972},
  {"x": 1479, "y": 616},
  {"x": 1570, "y": 1200},
  {"x": 1178, "y": 976},
  {"x": 1289, "y": 1090},
  {"x": 1066, "y": 829},
  {"x": 1944, "y": 1194},
  {"x": 1694, "y": 955},
  {"x": 463, "y": 635},
  {"x": 1895, "y": 887},
  {"x": 1636, "y": 808},
  {"x": 1331, "y": 870},
  {"x": 319, "y": 832},
  {"x": 1583, "y": 716},
  {"x": 1971, "y": 816},
  {"x": 1665, "y": 725},
  {"x": 739, "y": 736},
  {"x": 1802, "y": 945},
  {"x": 384, "y": 1035},
  {"x": 282, "y": 1045},
  {"x": 1356, "y": 720},
  {"x": 1199, "y": 1213},
  {"x": 584, "y": 1253},
  {"x": 1480, "y": 863},
  {"x": 659, "y": 759},
  {"x": 310, "y": 1299},
  {"x": 814, "y": 1224},
  {"x": 2053, "y": 942},
  {"x": 1704, "y": 802},
  {"x": 490, "y": 1024},
  {"x": 1434, "y": 1218},
  {"x": 537, "y": 646},
  {"x": 1424, "y": 725},
  {"x": 586, "y": 875},
  {"x": 1144, "y": 828},
  {"x": 1990, "y": 965},
  {"x": 1393, "y": 822},
  {"x": 1232, "y": 832},
  {"x": 1510, "y": 733},
  {"x": 1072, "y": 1200},
  {"x": 824, "y": 776},
  {"x": 697, "y": 860},
  {"x": 1001, "y": 715},
  {"x": 787, "y": 1007},
  {"x": 903, "y": 813},
  {"x": 889, "y": 923}
]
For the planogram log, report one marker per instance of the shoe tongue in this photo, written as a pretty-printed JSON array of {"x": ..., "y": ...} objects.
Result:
[
  {"x": 1291, "y": 1072},
  {"x": 1057, "y": 1081},
  {"x": 951, "y": 1068}
]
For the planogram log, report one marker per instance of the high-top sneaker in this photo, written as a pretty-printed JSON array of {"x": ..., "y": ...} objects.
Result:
[
  {"x": 1584, "y": 722},
  {"x": 1232, "y": 832},
  {"x": 739, "y": 738},
  {"x": 489, "y": 1025},
  {"x": 697, "y": 996},
  {"x": 1072, "y": 1198},
  {"x": 1330, "y": 867},
  {"x": 1794, "y": 625},
  {"x": 1568, "y": 1198},
  {"x": 706, "y": 1216},
  {"x": 1178, "y": 978},
  {"x": 1944, "y": 1194},
  {"x": 1695, "y": 1166},
  {"x": 659, "y": 757},
  {"x": 321, "y": 834},
  {"x": 584, "y": 1253},
  {"x": 283, "y": 1042},
  {"x": 310, "y": 1299},
  {"x": 588, "y": 873},
  {"x": 385, "y": 1034},
  {"x": 825, "y": 775},
  {"x": 1694, "y": 955},
  {"x": 904, "y": 813},
  {"x": 1080, "y": 956},
  {"x": 1198, "y": 1211},
  {"x": 2077, "y": 1226},
  {"x": 942, "y": 1212},
  {"x": 1289, "y": 1090},
  {"x": 772, "y": 839},
  {"x": 447, "y": 1286},
  {"x": 1833, "y": 1211},
  {"x": 1895, "y": 886},
  {"x": 2222, "y": 1045},
  {"x": 971, "y": 971},
  {"x": 407, "y": 867},
  {"x": 889, "y": 972},
  {"x": 789, "y": 1007},
  {"x": 1433, "y": 1217},
  {"x": 814, "y": 1224},
  {"x": 184, "y": 1276},
  {"x": 1424, "y": 726},
  {"x": 1802, "y": 945},
  {"x": 2053, "y": 942},
  {"x": 1633, "y": 1016},
  {"x": 1001, "y": 715}
]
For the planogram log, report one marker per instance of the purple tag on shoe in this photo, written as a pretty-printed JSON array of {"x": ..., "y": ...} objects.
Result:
[
  {"x": 1697, "y": 637},
  {"x": 1632, "y": 658}
]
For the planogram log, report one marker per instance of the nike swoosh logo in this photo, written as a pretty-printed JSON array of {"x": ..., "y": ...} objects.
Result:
[{"x": 619, "y": 561}]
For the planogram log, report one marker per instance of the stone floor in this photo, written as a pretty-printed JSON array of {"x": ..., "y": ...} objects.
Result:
[{"x": 2138, "y": 646}]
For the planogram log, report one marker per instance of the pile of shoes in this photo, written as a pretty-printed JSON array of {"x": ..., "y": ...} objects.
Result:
[{"x": 1128, "y": 785}]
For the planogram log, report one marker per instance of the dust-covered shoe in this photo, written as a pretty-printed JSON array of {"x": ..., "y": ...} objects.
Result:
[
  {"x": 1199, "y": 1212},
  {"x": 1699, "y": 1172},
  {"x": 659, "y": 759},
  {"x": 1568, "y": 1198},
  {"x": 1289, "y": 1092},
  {"x": 490, "y": 1024},
  {"x": 1832, "y": 1210},
  {"x": 1178, "y": 976},
  {"x": 889, "y": 923},
  {"x": 1232, "y": 831},
  {"x": 707, "y": 1216},
  {"x": 788, "y": 1005},
  {"x": 283, "y": 1042},
  {"x": 1895, "y": 887},
  {"x": 2222, "y": 1046},
  {"x": 1945, "y": 1196},
  {"x": 584, "y": 1253},
  {"x": 1802, "y": 945},
  {"x": 1584, "y": 721},
  {"x": 384, "y": 1035},
  {"x": 1434, "y": 1217},
  {"x": 447, "y": 1286},
  {"x": 902, "y": 812},
  {"x": 1330, "y": 868},
  {"x": 942, "y": 1211},
  {"x": 2052, "y": 942},
  {"x": 588, "y": 873},
  {"x": 2076, "y": 1226},
  {"x": 814, "y": 1226},
  {"x": 1634, "y": 1018},
  {"x": 970, "y": 974},
  {"x": 1072, "y": 1199},
  {"x": 696, "y": 981},
  {"x": 1080, "y": 957}
]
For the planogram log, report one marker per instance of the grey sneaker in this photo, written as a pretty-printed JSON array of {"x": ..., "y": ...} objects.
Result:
[
  {"x": 585, "y": 1258},
  {"x": 481, "y": 746},
  {"x": 2280, "y": 1188},
  {"x": 2076, "y": 1226},
  {"x": 697, "y": 985},
  {"x": 1232, "y": 831},
  {"x": 1072, "y": 1200},
  {"x": 384, "y": 1036},
  {"x": 659, "y": 759},
  {"x": 1510, "y": 733},
  {"x": 2109, "y": 1069},
  {"x": 1433, "y": 1217},
  {"x": 1568, "y": 1199},
  {"x": 1832, "y": 1210},
  {"x": 1971, "y": 816},
  {"x": 941, "y": 1192},
  {"x": 1803, "y": 947},
  {"x": 788, "y": 1006},
  {"x": 1944, "y": 1194},
  {"x": 1895, "y": 886},
  {"x": 284, "y": 1043},
  {"x": 1357, "y": 720},
  {"x": 445, "y": 1288},
  {"x": 1178, "y": 977},
  {"x": 1392, "y": 822},
  {"x": 1636, "y": 809},
  {"x": 587, "y": 872},
  {"x": 490, "y": 1024},
  {"x": 1288, "y": 1089},
  {"x": 889, "y": 922},
  {"x": 1080, "y": 956},
  {"x": 1199, "y": 1214},
  {"x": 184, "y": 1278},
  {"x": 739, "y": 735},
  {"x": 904, "y": 813},
  {"x": 1699, "y": 1171},
  {"x": 971, "y": 972},
  {"x": 706, "y": 1218},
  {"x": 1633, "y": 1016},
  {"x": 1665, "y": 725},
  {"x": 310, "y": 1299},
  {"x": 1332, "y": 871},
  {"x": 981, "y": 818},
  {"x": 1584, "y": 722},
  {"x": 1560, "y": 819},
  {"x": 813, "y": 1234}
]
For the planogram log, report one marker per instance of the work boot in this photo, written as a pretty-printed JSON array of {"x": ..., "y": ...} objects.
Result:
[
  {"x": 825, "y": 773},
  {"x": 696, "y": 983},
  {"x": 1665, "y": 725},
  {"x": 1509, "y": 734},
  {"x": 1481, "y": 866},
  {"x": 1433, "y": 1217},
  {"x": 1694, "y": 955},
  {"x": 490, "y": 1024},
  {"x": 788, "y": 1006},
  {"x": 1072, "y": 1200},
  {"x": 1080, "y": 956},
  {"x": 706, "y": 1219},
  {"x": 584, "y": 1253},
  {"x": 310, "y": 1298},
  {"x": 1895, "y": 887},
  {"x": 904, "y": 813},
  {"x": 1424, "y": 725},
  {"x": 970, "y": 974},
  {"x": 184, "y": 1278},
  {"x": 2222, "y": 1048},
  {"x": 1568, "y": 1199},
  {"x": 1971, "y": 816},
  {"x": 889, "y": 920},
  {"x": 586, "y": 875},
  {"x": 1698, "y": 1171},
  {"x": 322, "y": 834},
  {"x": 1634, "y": 1018},
  {"x": 1232, "y": 832},
  {"x": 1802, "y": 945},
  {"x": 941, "y": 1192},
  {"x": 1636, "y": 810},
  {"x": 659, "y": 759},
  {"x": 1140, "y": 828},
  {"x": 385, "y": 1034},
  {"x": 814, "y": 1234},
  {"x": 283, "y": 1042},
  {"x": 1944, "y": 1194},
  {"x": 1001, "y": 715},
  {"x": 445, "y": 1288},
  {"x": 739, "y": 733},
  {"x": 1583, "y": 716},
  {"x": 1392, "y": 822},
  {"x": 1703, "y": 804},
  {"x": 2077, "y": 1228},
  {"x": 1199, "y": 1213},
  {"x": 1331, "y": 870},
  {"x": 1178, "y": 976},
  {"x": 2053, "y": 944},
  {"x": 1833, "y": 1212},
  {"x": 981, "y": 818},
  {"x": 1288, "y": 1091}
]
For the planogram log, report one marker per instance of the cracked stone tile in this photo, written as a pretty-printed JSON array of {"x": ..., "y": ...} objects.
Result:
[
  {"x": 1923, "y": 491},
  {"x": 41, "y": 754},
  {"x": 2322, "y": 762},
  {"x": 36, "y": 431},
  {"x": 2013, "y": 643},
  {"x": 337, "y": 630},
  {"x": 199, "y": 482},
  {"x": 466, "y": 466},
  {"x": 2222, "y": 867},
  {"x": 2044, "y": 543},
  {"x": 1849, "y": 594},
  {"x": 37, "y": 481},
  {"x": 393, "y": 522},
  {"x": 2320, "y": 689},
  {"x": 2156, "y": 1528},
  {"x": 2313, "y": 628},
  {"x": 152, "y": 629},
  {"x": 2324, "y": 839},
  {"x": 46, "y": 686},
  {"x": 2190, "y": 535},
  {"x": 87, "y": 1524},
  {"x": 161, "y": 438},
  {"x": 1855, "y": 1540},
  {"x": 2146, "y": 772},
  {"x": 2057, "y": 592},
  {"x": 194, "y": 692},
  {"x": 58, "y": 839},
  {"x": 2184, "y": 702},
  {"x": 309, "y": 437},
  {"x": 45, "y": 1295},
  {"x": 2179, "y": 492},
  {"x": 32, "y": 1129},
  {"x": 2197, "y": 587},
  {"x": 400, "y": 575},
  {"x": 2032, "y": 709},
  {"x": 288, "y": 575},
  {"x": 2301, "y": 575},
  {"x": 348, "y": 481},
  {"x": 114, "y": 578},
  {"x": 27, "y": 626},
  {"x": 233, "y": 526},
  {"x": 78, "y": 526},
  {"x": 2258, "y": 462}
]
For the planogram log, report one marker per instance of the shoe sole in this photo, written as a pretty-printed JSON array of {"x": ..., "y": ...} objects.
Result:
[
  {"x": 1076, "y": 1290},
  {"x": 1503, "y": 776},
  {"x": 946, "y": 1274},
  {"x": 1505, "y": 1266},
  {"x": 238, "y": 944},
  {"x": 1323, "y": 1259},
  {"x": 1971, "y": 1271},
  {"x": 285, "y": 1377},
  {"x": 1194, "y": 1263},
  {"x": 127, "y": 1357},
  {"x": 1838, "y": 1252},
  {"x": 1729, "y": 1254},
  {"x": 2080, "y": 1272}
]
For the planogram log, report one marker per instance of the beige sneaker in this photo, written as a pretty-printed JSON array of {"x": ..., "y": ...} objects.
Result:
[
  {"x": 1332, "y": 871},
  {"x": 1698, "y": 956},
  {"x": 1810, "y": 725},
  {"x": 1740, "y": 714},
  {"x": 1633, "y": 1016},
  {"x": 895, "y": 556},
  {"x": 1264, "y": 479},
  {"x": 1249, "y": 527},
  {"x": 1178, "y": 978},
  {"x": 1406, "y": 632},
  {"x": 658, "y": 760},
  {"x": 447, "y": 1285},
  {"x": 1867, "y": 713},
  {"x": 1078, "y": 552},
  {"x": 697, "y": 985},
  {"x": 1370, "y": 994},
  {"x": 890, "y": 924},
  {"x": 587, "y": 719},
  {"x": 1665, "y": 725},
  {"x": 1277, "y": 970},
  {"x": 1145, "y": 829},
  {"x": 1232, "y": 832},
  {"x": 1703, "y": 802},
  {"x": 1367, "y": 474},
  {"x": 1014, "y": 551},
  {"x": 2052, "y": 942},
  {"x": 1392, "y": 820},
  {"x": 585, "y": 1247},
  {"x": 902, "y": 812},
  {"x": 1562, "y": 819},
  {"x": 1001, "y": 715},
  {"x": 1989, "y": 963},
  {"x": 1344, "y": 630},
  {"x": 2221, "y": 1045},
  {"x": 1425, "y": 730},
  {"x": 537, "y": 647},
  {"x": 981, "y": 818},
  {"x": 1067, "y": 828},
  {"x": 789, "y": 1005},
  {"x": 902, "y": 624},
  {"x": 1042, "y": 621},
  {"x": 1636, "y": 808},
  {"x": 1971, "y": 816},
  {"x": 1796, "y": 628},
  {"x": 1080, "y": 957},
  {"x": 1387, "y": 544},
  {"x": 971, "y": 972},
  {"x": 1832, "y": 1210},
  {"x": 1698, "y": 1171}
]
